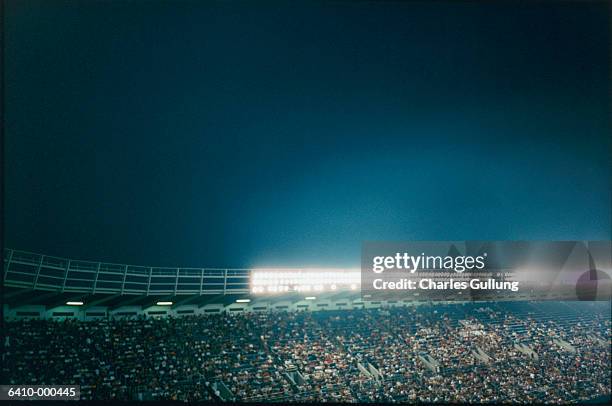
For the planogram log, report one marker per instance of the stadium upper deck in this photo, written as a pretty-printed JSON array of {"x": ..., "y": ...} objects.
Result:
[{"x": 88, "y": 289}]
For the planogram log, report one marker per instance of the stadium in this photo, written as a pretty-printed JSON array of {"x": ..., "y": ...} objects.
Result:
[
  {"x": 237, "y": 201},
  {"x": 125, "y": 332}
]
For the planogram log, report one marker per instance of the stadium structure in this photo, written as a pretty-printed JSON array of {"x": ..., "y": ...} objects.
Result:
[{"x": 129, "y": 332}]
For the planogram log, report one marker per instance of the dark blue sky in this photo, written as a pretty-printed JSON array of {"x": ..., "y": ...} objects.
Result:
[{"x": 268, "y": 134}]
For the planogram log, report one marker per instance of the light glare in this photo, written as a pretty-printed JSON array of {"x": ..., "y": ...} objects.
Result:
[{"x": 304, "y": 280}]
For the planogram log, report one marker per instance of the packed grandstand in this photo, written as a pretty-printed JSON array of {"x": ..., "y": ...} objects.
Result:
[{"x": 521, "y": 351}]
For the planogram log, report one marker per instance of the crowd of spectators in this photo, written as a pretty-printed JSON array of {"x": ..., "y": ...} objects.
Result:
[{"x": 422, "y": 353}]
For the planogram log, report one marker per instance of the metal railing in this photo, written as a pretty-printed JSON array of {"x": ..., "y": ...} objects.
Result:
[{"x": 43, "y": 272}]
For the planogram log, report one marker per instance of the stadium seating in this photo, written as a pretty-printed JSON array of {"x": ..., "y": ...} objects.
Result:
[{"x": 554, "y": 352}]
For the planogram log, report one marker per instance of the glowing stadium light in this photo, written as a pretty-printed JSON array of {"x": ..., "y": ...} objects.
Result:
[
  {"x": 304, "y": 280},
  {"x": 74, "y": 303},
  {"x": 164, "y": 303},
  {"x": 310, "y": 297},
  {"x": 243, "y": 300}
]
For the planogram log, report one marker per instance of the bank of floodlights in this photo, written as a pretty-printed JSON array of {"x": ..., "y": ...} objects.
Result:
[{"x": 271, "y": 281}]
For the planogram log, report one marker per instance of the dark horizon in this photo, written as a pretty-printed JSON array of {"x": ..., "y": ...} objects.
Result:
[{"x": 229, "y": 134}]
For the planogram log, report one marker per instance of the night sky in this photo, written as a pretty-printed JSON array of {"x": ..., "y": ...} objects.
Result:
[{"x": 245, "y": 134}]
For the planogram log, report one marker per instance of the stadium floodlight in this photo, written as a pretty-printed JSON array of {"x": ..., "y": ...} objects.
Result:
[
  {"x": 266, "y": 280},
  {"x": 310, "y": 297},
  {"x": 243, "y": 300},
  {"x": 74, "y": 303},
  {"x": 164, "y": 303}
]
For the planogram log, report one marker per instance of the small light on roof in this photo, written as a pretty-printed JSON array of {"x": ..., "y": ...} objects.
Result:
[
  {"x": 243, "y": 300},
  {"x": 74, "y": 303},
  {"x": 164, "y": 303}
]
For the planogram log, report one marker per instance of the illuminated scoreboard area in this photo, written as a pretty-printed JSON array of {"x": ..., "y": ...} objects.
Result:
[{"x": 279, "y": 281}]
